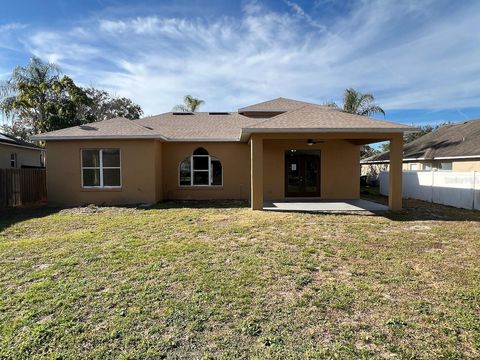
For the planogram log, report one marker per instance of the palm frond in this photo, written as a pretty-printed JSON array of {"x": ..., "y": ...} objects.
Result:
[
  {"x": 372, "y": 109},
  {"x": 355, "y": 102},
  {"x": 7, "y": 88},
  {"x": 350, "y": 100},
  {"x": 7, "y": 106}
]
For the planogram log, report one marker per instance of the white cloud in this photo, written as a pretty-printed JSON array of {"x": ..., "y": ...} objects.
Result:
[
  {"x": 404, "y": 53},
  {"x": 12, "y": 26}
]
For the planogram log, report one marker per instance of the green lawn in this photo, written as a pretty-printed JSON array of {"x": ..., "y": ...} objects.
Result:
[{"x": 215, "y": 280}]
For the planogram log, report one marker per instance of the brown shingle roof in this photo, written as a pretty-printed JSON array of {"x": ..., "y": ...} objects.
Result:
[
  {"x": 112, "y": 128},
  {"x": 198, "y": 126},
  {"x": 203, "y": 126},
  {"x": 451, "y": 140},
  {"x": 315, "y": 117},
  {"x": 275, "y": 105}
]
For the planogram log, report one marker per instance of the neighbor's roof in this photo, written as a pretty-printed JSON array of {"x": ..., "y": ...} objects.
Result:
[
  {"x": 231, "y": 126},
  {"x": 276, "y": 105},
  {"x": 456, "y": 140},
  {"x": 324, "y": 118},
  {"x": 13, "y": 141}
]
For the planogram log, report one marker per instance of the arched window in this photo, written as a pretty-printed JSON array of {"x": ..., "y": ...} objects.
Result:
[{"x": 200, "y": 169}]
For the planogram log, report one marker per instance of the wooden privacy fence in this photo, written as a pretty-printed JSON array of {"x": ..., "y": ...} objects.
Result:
[{"x": 22, "y": 187}]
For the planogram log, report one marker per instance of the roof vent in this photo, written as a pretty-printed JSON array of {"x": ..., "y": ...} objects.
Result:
[
  {"x": 183, "y": 113},
  {"x": 218, "y": 113}
]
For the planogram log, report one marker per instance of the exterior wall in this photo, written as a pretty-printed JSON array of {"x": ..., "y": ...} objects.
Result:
[
  {"x": 339, "y": 168},
  {"x": 149, "y": 170},
  {"x": 158, "y": 171},
  {"x": 25, "y": 157},
  {"x": 138, "y": 173},
  {"x": 466, "y": 165},
  {"x": 235, "y": 159}
]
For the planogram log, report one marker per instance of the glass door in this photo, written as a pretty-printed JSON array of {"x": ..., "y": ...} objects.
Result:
[{"x": 302, "y": 173}]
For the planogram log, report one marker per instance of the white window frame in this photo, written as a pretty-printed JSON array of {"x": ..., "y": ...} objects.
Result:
[
  {"x": 192, "y": 171},
  {"x": 13, "y": 160},
  {"x": 100, "y": 168}
]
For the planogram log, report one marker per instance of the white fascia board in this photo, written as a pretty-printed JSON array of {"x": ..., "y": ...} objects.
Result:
[
  {"x": 99, "y": 137},
  {"x": 119, "y": 137},
  {"x": 320, "y": 130},
  {"x": 22, "y": 146}
]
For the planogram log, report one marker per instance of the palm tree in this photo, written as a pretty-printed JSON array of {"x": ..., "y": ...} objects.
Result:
[
  {"x": 354, "y": 102},
  {"x": 190, "y": 104},
  {"x": 35, "y": 79}
]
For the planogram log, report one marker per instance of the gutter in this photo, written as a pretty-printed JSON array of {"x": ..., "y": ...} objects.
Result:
[
  {"x": 23, "y": 146},
  {"x": 320, "y": 130},
  {"x": 132, "y": 137},
  {"x": 99, "y": 137}
]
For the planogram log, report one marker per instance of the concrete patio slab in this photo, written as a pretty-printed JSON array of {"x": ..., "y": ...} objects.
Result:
[{"x": 324, "y": 206}]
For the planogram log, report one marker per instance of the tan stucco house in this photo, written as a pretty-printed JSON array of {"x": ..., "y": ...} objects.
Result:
[
  {"x": 275, "y": 150},
  {"x": 16, "y": 153}
]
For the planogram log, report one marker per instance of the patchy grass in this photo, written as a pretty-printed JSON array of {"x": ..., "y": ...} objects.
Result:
[{"x": 203, "y": 280}]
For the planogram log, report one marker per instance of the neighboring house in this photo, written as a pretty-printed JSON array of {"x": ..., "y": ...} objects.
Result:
[
  {"x": 278, "y": 149},
  {"x": 16, "y": 153},
  {"x": 451, "y": 147}
]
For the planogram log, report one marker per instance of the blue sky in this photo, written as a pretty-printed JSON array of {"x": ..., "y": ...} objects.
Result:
[{"x": 421, "y": 59}]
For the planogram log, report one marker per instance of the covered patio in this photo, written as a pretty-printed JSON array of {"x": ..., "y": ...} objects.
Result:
[
  {"x": 324, "y": 206},
  {"x": 339, "y": 170}
]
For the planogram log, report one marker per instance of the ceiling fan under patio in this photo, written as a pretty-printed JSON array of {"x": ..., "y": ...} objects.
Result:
[{"x": 311, "y": 142}]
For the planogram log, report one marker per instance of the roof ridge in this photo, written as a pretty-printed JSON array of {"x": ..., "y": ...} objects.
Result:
[
  {"x": 288, "y": 100},
  {"x": 194, "y": 113},
  {"x": 295, "y": 110},
  {"x": 276, "y": 116}
]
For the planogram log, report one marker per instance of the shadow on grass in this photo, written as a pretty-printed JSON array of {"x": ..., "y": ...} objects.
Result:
[
  {"x": 417, "y": 210},
  {"x": 200, "y": 204},
  {"x": 414, "y": 210},
  {"x": 11, "y": 216}
]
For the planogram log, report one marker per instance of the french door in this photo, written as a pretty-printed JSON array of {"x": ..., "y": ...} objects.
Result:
[{"x": 302, "y": 173}]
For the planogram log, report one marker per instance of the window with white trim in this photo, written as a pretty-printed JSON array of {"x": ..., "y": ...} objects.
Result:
[
  {"x": 13, "y": 160},
  {"x": 200, "y": 169},
  {"x": 101, "y": 168}
]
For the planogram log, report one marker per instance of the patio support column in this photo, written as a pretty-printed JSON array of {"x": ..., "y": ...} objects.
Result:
[
  {"x": 256, "y": 172},
  {"x": 395, "y": 176}
]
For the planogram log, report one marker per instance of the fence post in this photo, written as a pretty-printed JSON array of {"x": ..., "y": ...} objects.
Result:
[
  {"x": 474, "y": 189},
  {"x": 432, "y": 186}
]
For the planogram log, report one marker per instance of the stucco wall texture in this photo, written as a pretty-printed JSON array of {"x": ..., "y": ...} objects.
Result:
[{"x": 149, "y": 170}]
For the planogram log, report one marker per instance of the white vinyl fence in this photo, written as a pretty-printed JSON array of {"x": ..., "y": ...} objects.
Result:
[{"x": 459, "y": 189}]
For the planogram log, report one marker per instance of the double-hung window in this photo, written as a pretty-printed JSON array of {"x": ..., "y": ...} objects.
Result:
[
  {"x": 200, "y": 169},
  {"x": 101, "y": 168}
]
